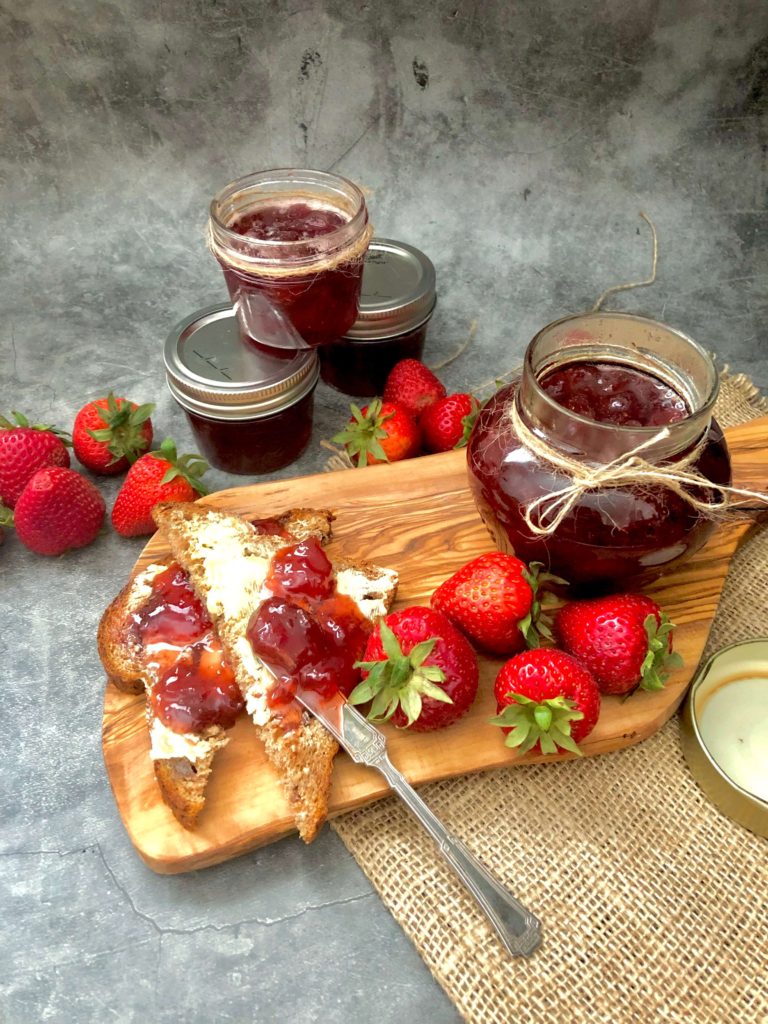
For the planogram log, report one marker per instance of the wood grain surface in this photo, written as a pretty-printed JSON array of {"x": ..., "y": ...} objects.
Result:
[{"x": 419, "y": 518}]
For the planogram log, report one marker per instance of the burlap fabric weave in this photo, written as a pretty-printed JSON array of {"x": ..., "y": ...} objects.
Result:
[{"x": 654, "y": 905}]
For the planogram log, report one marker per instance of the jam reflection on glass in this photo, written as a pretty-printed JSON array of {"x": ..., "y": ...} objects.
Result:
[
  {"x": 194, "y": 686},
  {"x": 258, "y": 445},
  {"x": 321, "y": 305},
  {"x": 612, "y": 534},
  {"x": 361, "y": 367},
  {"x": 306, "y": 632}
]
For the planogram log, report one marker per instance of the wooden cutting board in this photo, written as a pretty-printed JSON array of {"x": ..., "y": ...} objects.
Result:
[{"x": 417, "y": 517}]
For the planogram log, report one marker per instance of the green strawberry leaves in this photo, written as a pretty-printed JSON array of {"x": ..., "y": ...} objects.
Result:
[
  {"x": 191, "y": 467},
  {"x": 400, "y": 680},
  {"x": 658, "y": 661},
  {"x": 547, "y": 722},
  {"x": 361, "y": 437},
  {"x": 536, "y": 627},
  {"x": 122, "y": 431},
  {"x": 23, "y": 421},
  {"x": 467, "y": 423}
]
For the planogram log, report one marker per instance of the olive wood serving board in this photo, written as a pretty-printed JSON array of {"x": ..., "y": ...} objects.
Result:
[{"x": 419, "y": 518}]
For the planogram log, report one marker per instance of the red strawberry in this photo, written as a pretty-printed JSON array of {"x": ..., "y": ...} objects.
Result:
[
  {"x": 58, "y": 510},
  {"x": 380, "y": 432},
  {"x": 546, "y": 700},
  {"x": 25, "y": 448},
  {"x": 418, "y": 671},
  {"x": 412, "y": 385},
  {"x": 154, "y": 477},
  {"x": 625, "y": 641},
  {"x": 110, "y": 433},
  {"x": 494, "y": 600},
  {"x": 448, "y": 423}
]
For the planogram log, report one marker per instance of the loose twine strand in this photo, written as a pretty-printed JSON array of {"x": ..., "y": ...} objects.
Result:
[
  {"x": 545, "y": 514},
  {"x": 635, "y": 284}
]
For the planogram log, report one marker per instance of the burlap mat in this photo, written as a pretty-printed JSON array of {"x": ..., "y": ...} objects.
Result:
[{"x": 654, "y": 904}]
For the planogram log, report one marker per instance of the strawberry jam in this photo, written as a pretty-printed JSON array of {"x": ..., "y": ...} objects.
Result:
[
  {"x": 597, "y": 410},
  {"x": 198, "y": 690},
  {"x": 609, "y": 393},
  {"x": 297, "y": 239},
  {"x": 307, "y": 633},
  {"x": 194, "y": 686}
]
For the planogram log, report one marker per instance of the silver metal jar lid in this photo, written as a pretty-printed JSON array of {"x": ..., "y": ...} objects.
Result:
[
  {"x": 212, "y": 372},
  {"x": 398, "y": 291}
]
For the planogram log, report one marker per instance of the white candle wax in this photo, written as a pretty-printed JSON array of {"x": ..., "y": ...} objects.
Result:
[{"x": 733, "y": 723}]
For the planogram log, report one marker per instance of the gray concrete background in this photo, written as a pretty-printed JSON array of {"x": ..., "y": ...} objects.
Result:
[{"x": 515, "y": 143}]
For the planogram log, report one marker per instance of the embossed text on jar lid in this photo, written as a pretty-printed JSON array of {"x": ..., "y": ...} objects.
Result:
[
  {"x": 398, "y": 291},
  {"x": 211, "y": 371}
]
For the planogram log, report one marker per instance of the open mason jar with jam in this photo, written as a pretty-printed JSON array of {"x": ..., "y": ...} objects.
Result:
[
  {"x": 595, "y": 389},
  {"x": 291, "y": 243}
]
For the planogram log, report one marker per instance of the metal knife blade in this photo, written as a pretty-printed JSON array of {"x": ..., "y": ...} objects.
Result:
[{"x": 518, "y": 929}]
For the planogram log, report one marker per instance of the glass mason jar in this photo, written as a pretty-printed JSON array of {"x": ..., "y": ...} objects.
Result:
[
  {"x": 612, "y": 535},
  {"x": 291, "y": 242}
]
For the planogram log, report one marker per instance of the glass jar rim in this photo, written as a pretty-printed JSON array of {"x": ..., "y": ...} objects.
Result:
[
  {"x": 703, "y": 411},
  {"x": 288, "y": 174}
]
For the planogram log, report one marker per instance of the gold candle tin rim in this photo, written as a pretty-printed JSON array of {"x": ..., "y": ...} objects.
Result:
[{"x": 728, "y": 796}]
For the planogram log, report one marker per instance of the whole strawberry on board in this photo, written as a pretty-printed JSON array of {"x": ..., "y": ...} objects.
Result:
[
  {"x": 58, "y": 509},
  {"x": 447, "y": 423},
  {"x": 24, "y": 448},
  {"x": 625, "y": 640},
  {"x": 414, "y": 386},
  {"x": 494, "y": 600},
  {"x": 110, "y": 433},
  {"x": 418, "y": 671},
  {"x": 547, "y": 701},
  {"x": 157, "y": 476},
  {"x": 379, "y": 432}
]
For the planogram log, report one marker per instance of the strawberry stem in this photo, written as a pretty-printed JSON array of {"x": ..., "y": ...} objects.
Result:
[
  {"x": 659, "y": 660},
  {"x": 361, "y": 437},
  {"x": 537, "y": 624},
  {"x": 547, "y": 723},
  {"x": 191, "y": 467}
]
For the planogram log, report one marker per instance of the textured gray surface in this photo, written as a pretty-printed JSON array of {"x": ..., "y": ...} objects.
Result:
[{"x": 514, "y": 144}]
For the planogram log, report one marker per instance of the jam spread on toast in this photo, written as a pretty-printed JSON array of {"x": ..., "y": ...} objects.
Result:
[
  {"x": 306, "y": 632},
  {"x": 194, "y": 686}
]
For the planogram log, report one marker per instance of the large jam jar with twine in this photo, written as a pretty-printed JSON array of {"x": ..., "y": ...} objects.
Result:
[{"x": 603, "y": 459}]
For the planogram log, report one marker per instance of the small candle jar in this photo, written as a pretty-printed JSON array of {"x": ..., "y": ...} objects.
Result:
[
  {"x": 292, "y": 241},
  {"x": 397, "y": 301},
  {"x": 594, "y": 388},
  {"x": 250, "y": 411}
]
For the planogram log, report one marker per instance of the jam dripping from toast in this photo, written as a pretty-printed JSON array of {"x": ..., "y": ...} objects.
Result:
[
  {"x": 194, "y": 686},
  {"x": 306, "y": 632}
]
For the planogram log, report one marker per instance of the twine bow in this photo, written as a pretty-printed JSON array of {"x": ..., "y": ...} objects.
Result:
[{"x": 544, "y": 514}]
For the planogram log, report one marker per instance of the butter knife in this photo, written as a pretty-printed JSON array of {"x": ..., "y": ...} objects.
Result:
[{"x": 518, "y": 929}]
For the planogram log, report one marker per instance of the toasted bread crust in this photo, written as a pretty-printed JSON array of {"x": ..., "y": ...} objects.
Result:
[{"x": 302, "y": 757}]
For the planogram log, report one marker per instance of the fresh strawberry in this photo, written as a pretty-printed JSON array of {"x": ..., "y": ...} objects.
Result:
[
  {"x": 380, "y": 432},
  {"x": 448, "y": 423},
  {"x": 24, "y": 448},
  {"x": 110, "y": 433},
  {"x": 154, "y": 477},
  {"x": 494, "y": 600},
  {"x": 58, "y": 510},
  {"x": 412, "y": 385},
  {"x": 418, "y": 671},
  {"x": 545, "y": 699},
  {"x": 625, "y": 640}
]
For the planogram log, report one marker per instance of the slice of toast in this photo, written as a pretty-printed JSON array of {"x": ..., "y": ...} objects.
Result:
[
  {"x": 182, "y": 761},
  {"x": 228, "y": 565}
]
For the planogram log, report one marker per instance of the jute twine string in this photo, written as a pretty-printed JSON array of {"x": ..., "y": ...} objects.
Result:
[
  {"x": 278, "y": 269},
  {"x": 544, "y": 514}
]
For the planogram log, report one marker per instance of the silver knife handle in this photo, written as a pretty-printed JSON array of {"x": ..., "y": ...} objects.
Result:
[{"x": 518, "y": 929}]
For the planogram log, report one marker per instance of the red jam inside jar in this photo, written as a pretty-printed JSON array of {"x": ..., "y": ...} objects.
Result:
[
  {"x": 597, "y": 410},
  {"x": 396, "y": 304},
  {"x": 307, "y": 633},
  {"x": 294, "y": 239},
  {"x": 250, "y": 411},
  {"x": 194, "y": 686}
]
